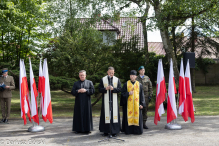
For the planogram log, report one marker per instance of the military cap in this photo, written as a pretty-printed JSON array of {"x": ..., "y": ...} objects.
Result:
[
  {"x": 4, "y": 70},
  {"x": 141, "y": 67}
]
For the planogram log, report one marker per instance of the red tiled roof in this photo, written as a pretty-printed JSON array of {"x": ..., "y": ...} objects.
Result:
[
  {"x": 128, "y": 26},
  {"x": 200, "y": 49},
  {"x": 156, "y": 47}
]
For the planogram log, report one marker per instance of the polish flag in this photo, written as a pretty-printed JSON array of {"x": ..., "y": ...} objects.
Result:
[
  {"x": 47, "y": 106},
  {"x": 171, "y": 102},
  {"x": 182, "y": 94},
  {"x": 24, "y": 93},
  {"x": 40, "y": 78},
  {"x": 189, "y": 93},
  {"x": 34, "y": 94},
  {"x": 40, "y": 84},
  {"x": 160, "y": 93}
]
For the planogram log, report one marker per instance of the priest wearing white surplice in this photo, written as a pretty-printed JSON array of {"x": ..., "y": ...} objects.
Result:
[{"x": 110, "y": 86}]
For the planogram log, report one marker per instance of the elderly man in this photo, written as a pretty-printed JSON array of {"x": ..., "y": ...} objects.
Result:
[
  {"x": 132, "y": 101},
  {"x": 110, "y": 86},
  {"x": 82, "y": 90},
  {"x": 6, "y": 85},
  {"x": 148, "y": 92}
]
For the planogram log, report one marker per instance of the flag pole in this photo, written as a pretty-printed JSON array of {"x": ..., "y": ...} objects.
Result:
[
  {"x": 35, "y": 127},
  {"x": 173, "y": 124}
]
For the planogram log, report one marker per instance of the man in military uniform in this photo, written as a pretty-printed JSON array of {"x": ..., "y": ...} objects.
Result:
[
  {"x": 148, "y": 91},
  {"x": 6, "y": 85}
]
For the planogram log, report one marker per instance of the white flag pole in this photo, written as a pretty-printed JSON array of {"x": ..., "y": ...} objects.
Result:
[{"x": 35, "y": 127}]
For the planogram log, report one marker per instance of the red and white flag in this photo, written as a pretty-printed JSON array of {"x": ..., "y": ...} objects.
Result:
[
  {"x": 189, "y": 100},
  {"x": 40, "y": 85},
  {"x": 47, "y": 105},
  {"x": 182, "y": 94},
  {"x": 24, "y": 93},
  {"x": 160, "y": 93},
  {"x": 40, "y": 78},
  {"x": 171, "y": 102},
  {"x": 34, "y": 94}
]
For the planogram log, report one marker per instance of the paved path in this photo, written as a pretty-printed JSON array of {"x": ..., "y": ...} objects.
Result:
[{"x": 204, "y": 131}]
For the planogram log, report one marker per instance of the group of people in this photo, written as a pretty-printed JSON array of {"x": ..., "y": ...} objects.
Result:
[
  {"x": 135, "y": 97},
  {"x": 136, "y": 94}
]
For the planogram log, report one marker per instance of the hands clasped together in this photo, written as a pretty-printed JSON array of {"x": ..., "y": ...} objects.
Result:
[
  {"x": 82, "y": 90},
  {"x": 109, "y": 87}
]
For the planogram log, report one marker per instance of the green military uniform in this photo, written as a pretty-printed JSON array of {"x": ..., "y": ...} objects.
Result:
[
  {"x": 6, "y": 94},
  {"x": 148, "y": 92}
]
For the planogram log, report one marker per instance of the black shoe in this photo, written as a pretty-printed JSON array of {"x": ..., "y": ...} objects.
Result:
[
  {"x": 114, "y": 135},
  {"x": 6, "y": 121},
  {"x": 2, "y": 121},
  {"x": 145, "y": 127},
  {"x": 87, "y": 132},
  {"x": 76, "y": 132},
  {"x": 105, "y": 134}
]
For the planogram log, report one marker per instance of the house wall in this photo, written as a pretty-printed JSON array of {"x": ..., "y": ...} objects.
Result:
[{"x": 211, "y": 78}]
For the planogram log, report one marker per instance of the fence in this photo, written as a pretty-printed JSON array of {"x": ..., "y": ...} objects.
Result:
[{"x": 211, "y": 78}]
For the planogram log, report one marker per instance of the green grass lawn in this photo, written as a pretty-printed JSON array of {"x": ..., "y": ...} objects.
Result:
[{"x": 206, "y": 102}]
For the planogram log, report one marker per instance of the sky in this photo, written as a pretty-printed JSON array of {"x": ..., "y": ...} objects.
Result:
[{"x": 154, "y": 36}]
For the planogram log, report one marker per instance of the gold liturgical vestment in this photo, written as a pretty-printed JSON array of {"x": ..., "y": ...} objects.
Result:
[{"x": 133, "y": 104}]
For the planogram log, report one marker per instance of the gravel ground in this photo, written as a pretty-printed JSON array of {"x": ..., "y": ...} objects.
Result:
[{"x": 204, "y": 131}]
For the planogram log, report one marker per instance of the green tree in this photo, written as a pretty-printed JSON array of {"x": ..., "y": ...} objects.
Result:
[
  {"x": 82, "y": 48},
  {"x": 22, "y": 25},
  {"x": 170, "y": 13}
]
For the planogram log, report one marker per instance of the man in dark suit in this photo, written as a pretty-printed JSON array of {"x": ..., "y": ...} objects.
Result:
[{"x": 6, "y": 87}]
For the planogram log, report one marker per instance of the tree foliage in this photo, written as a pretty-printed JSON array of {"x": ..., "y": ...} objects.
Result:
[{"x": 22, "y": 29}]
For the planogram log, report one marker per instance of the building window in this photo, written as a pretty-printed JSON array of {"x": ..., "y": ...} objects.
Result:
[{"x": 109, "y": 37}]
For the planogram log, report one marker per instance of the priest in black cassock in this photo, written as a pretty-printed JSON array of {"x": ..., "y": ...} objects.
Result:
[
  {"x": 110, "y": 86},
  {"x": 132, "y": 100},
  {"x": 82, "y": 90}
]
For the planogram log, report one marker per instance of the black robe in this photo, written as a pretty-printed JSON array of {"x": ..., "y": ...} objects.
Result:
[
  {"x": 123, "y": 102},
  {"x": 103, "y": 127},
  {"x": 82, "y": 119}
]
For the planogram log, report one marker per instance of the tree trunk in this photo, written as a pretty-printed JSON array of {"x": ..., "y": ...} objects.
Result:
[
  {"x": 193, "y": 50},
  {"x": 3, "y": 51},
  {"x": 8, "y": 47},
  {"x": 28, "y": 43},
  {"x": 99, "y": 96},
  {"x": 193, "y": 79},
  {"x": 143, "y": 22},
  {"x": 174, "y": 40},
  {"x": 16, "y": 47},
  {"x": 20, "y": 44},
  {"x": 166, "y": 42}
]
